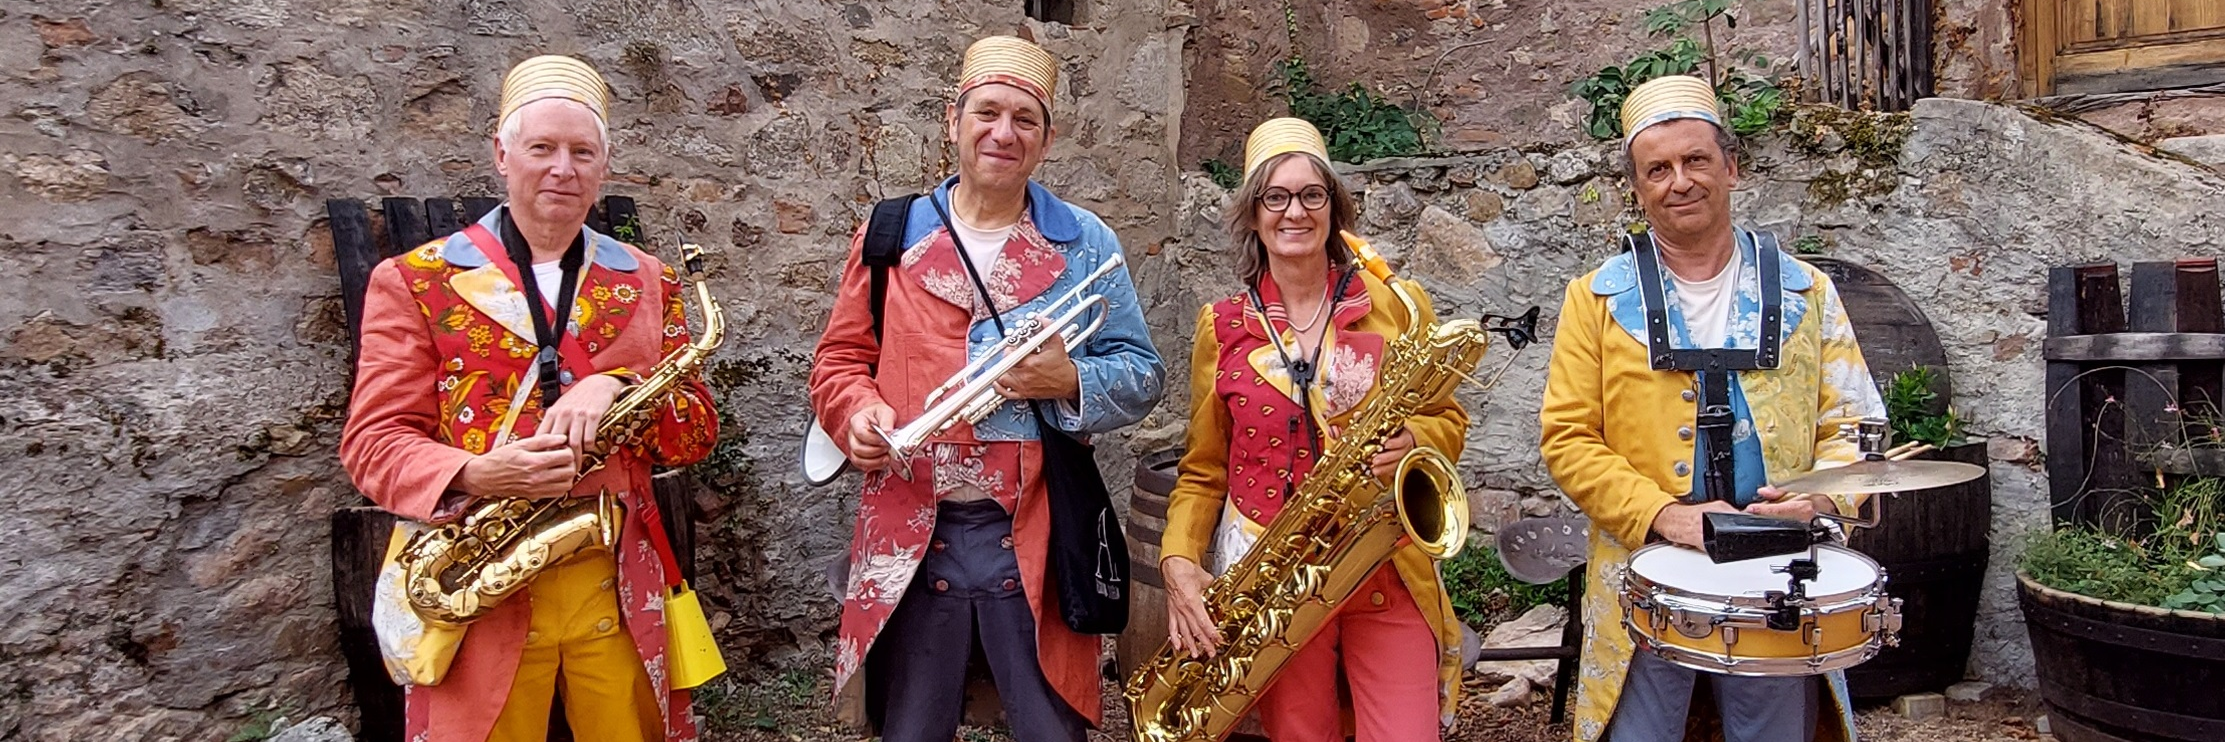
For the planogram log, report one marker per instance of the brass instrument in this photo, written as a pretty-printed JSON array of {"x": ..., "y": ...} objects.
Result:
[
  {"x": 971, "y": 394},
  {"x": 456, "y": 573},
  {"x": 1332, "y": 534}
]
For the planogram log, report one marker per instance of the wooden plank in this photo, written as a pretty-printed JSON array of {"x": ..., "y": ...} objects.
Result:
[
  {"x": 359, "y": 539},
  {"x": 2082, "y": 20},
  {"x": 2037, "y": 45},
  {"x": 2089, "y": 60},
  {"x": 355, "y": 257},
  {"x": 405, "y": 225},
  {"x": 2201, "y": 309},
  {"x": 440, "y": 217},
  {"x": 2197, "y": 14},
  {"x": 2150, "y": 17},
  {"x": 2152, "y": 388},
  {"x": 2066, "y": 410},
  {"x": 2159, "y": 78},
  {"x": 2107, "y": 499},
  {"x": 478, "y": 206},
  {"x": 2136, "y": 347}
]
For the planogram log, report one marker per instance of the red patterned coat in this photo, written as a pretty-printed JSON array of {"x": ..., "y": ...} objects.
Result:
[
  {"x": 933, "y": 324},
  {"x": 446, "y": 341}
]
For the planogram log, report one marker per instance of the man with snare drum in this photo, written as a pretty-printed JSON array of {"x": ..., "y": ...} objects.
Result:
[{"x": 1689, "y": 373}]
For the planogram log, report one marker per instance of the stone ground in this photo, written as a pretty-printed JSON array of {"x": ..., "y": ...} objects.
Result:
[{"x": 791, "y": 707}]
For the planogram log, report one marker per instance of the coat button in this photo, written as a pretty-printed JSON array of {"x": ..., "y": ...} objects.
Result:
[
  {"x": 1375, "y": 599},
  {"x": 609, "y": 582},
  {"x": 532, "y": 636},
  {"x": 942, "y": 586},
  {"x": 1688, "y": 395},
  {"x": 1683, "y": 469},
  {"x": 938, "y": 545},
  {"x": 1684, "y": 433},
  {"x": 1011, "y": 584},
  {"x": 1005, "y": 542},
  {"x": 604, "y": 626}
]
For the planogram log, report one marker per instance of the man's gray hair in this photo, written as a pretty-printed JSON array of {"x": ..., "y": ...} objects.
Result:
[{"x": 508, "y": 132}]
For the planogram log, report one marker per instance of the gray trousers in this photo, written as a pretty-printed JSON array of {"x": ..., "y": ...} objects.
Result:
[
  {"x": 1657, "y": 698},
  {"x": 965, "y": 601}
]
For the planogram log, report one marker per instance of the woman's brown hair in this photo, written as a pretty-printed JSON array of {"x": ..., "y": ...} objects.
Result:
[{"x": 1242, "y": 217}]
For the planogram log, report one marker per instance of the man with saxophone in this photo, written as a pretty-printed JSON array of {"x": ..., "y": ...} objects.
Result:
[
  {"x": 489, "y": 359},
  {"x": 1677, "y": 393},
  {"x": 949, "y": 554}
]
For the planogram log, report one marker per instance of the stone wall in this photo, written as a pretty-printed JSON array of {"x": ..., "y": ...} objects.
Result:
[
  {"x": 1965, "y": 214},
  {"x": 173, "y": 365}
]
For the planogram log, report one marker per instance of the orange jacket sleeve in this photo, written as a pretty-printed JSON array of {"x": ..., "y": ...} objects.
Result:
[
  {"x": 843, "y": 363},
  {"x": 1201, "y": 480},
  {"x": 390, "y": 445}
]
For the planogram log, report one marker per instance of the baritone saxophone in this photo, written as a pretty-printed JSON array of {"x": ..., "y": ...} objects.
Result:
[
  {"x": 456, "y": 573},
  {"x": 1334, "y": 531}
]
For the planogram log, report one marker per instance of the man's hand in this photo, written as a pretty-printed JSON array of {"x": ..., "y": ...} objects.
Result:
[
  {"x": 1681, "y": 523},
  {"x": 539, "y": 467},
  {"x": 578, "y": 413},
  {"x": 1046, "y": 373},
  {"x": 1189, "y": 628},
  {"x": 1781, "y": 504},
  {"x": 868, "y": 450}
]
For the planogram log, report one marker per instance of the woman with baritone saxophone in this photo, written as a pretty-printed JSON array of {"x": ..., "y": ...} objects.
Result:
[
  {"x": 1277, "y": 373},
  {"x": 499, "y": 365}
]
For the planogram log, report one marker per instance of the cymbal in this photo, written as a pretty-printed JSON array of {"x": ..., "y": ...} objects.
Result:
[{"x": 1883, "y": 476}]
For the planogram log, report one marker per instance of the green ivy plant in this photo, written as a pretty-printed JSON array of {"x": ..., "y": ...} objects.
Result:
[
  {"x": 2206, "y": 592},
  {"x": 1223, "y": 174},
  {"x": 1483, "y": 593},
  {"x": 1358, "y": 124},
  {"x": 1908, "y": 404},
  {"x": 1749, "y": 95}
]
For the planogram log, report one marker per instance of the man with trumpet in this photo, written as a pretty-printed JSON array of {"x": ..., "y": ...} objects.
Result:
[
  {"x": 1679, "y": 392},
  {"x": 949, "y": 553}
]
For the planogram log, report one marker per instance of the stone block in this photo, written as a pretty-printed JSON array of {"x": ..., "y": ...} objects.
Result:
[
  {"x": 319, "y": 729},
  {"x": 1920, "y": 706},
  {"x": 2208, "y": 150},
  {"x": 1968, "y": 691},
  {"x": 1513, "y": 693}
]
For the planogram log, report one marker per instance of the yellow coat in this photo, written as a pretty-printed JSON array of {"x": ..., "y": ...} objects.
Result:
[
  {"x": 1370, "y": 313},
  {"x": 1617, "y": 435}
]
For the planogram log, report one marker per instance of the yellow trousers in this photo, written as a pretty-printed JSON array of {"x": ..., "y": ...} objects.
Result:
[{"x": 577, "y": 644}]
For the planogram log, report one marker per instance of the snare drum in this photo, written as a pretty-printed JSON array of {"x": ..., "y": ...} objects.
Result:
[{"x": 1715, "y": 617}]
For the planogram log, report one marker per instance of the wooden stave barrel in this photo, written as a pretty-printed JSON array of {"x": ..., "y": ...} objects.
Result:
[
  {"x": 1932, "y": 543},
  {"x": 1147, "y": 598},
  {"x": 2117, "y": 672}
]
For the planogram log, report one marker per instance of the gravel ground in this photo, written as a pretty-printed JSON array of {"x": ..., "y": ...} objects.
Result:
[{"x": 793, "y": 707}]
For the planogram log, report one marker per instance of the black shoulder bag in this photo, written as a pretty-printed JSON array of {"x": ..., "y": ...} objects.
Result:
[{"x": 1088, "y": 555}]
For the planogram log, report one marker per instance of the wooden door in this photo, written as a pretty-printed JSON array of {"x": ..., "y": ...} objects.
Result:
[{"x": 2104, "y": 46}]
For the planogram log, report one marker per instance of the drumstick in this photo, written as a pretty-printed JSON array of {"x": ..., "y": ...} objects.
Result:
[{"x": 1904, "y": 451}]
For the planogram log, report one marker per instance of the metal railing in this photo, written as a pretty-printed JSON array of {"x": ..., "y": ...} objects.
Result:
[{"x": 1873, "y": 54}]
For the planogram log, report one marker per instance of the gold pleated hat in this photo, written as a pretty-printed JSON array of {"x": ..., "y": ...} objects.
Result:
[
  {"x": 555, "y": 76},
  {"x": 1010, "y": 60},
  {"x": 1667, "y": 99},
  {"x": 1277, "y": 136}
]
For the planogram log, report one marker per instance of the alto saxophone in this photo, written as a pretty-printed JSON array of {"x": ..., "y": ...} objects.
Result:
[
  {"x": 1331, "y": 535},
  {"x": 456, "y": 573}
]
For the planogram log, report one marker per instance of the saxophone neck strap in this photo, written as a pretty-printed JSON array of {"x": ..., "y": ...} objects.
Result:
[
  {"x": 553, "y": 368},
  {"x": 1714, "y": 370}
]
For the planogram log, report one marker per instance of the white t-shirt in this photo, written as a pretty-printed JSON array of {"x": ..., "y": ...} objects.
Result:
[
  {"x": 549, "y": 277},
  {"x": 984, "y": 246},
  {"x": 1707, "y": 304}
]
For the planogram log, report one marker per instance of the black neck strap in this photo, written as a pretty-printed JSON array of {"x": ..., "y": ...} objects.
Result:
[
  {"x": 1713, "y": 369},
  {"x": 547, "y": 332}
]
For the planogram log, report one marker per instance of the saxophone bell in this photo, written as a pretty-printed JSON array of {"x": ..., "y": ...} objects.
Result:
[{"x": 1432, "y": 503}]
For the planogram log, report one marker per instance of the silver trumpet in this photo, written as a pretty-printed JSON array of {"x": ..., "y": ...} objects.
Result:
[{"x": 971, "y": 394}]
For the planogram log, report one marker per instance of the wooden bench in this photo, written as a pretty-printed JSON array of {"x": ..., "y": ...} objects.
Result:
[{"x": 360, "y": 241}]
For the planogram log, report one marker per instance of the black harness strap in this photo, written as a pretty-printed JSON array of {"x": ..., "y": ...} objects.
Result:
[{"x": 1714, "y": 369}]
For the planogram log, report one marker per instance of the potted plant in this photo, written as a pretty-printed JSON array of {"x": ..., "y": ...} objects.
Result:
[
  {"x": 2128, "y": 620},
  {"x": 1933, "y": 545}
]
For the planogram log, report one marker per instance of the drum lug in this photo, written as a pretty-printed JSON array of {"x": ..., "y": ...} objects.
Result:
[
  {"x": 1885, "y": 620},
  {"x": 1692, "y": 624}
]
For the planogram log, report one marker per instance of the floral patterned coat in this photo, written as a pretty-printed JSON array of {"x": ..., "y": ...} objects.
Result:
[
  {"x": 933, "y": 325},
  {"x": 1237, "y": 458},
  {"x": 1617, "y": 434},
  {"x": 446, "y": 342}
]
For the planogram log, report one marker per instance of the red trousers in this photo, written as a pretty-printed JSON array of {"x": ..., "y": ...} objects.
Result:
[{"x": 1389, "y": 657}]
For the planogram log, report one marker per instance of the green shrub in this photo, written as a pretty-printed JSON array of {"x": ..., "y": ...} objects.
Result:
[{"x": 1482, "y": 592}]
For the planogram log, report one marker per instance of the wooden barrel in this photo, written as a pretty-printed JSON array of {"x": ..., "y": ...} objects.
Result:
[
  {"x": 1147, "y": 600},
  {"x": 2115, "y": 672},
  {"x": 1932, "y": 543}
]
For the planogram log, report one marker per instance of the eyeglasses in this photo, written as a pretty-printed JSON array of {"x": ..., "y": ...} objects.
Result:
[{"x": 1314, "y": 198}]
